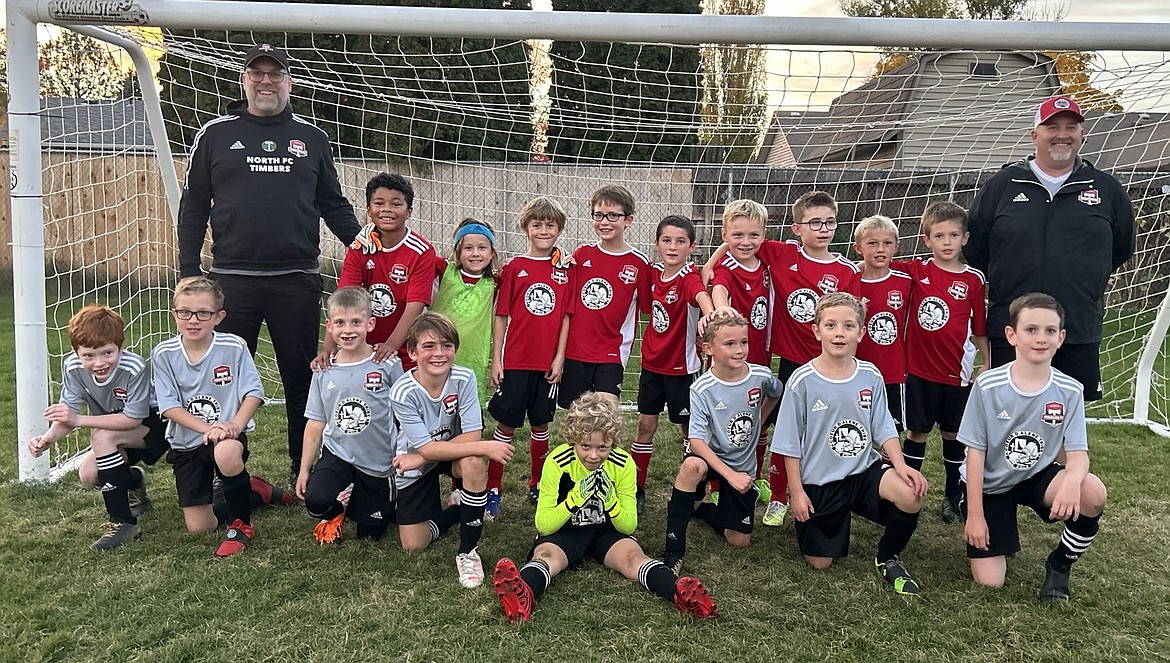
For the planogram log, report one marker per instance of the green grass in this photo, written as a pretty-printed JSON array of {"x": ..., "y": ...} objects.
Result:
[{"x": 165, "y": 598}]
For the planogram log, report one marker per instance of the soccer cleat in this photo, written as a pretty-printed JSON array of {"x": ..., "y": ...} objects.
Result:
[
  {"x": 673, "y": 561},
  {"x": 470, "y": 569},
  {"x": 949, "y": 511},
  {"x": 116, "y": 534},
  {"x": 140, "y": 504},
  {"x": 269, "y": 493},
  {"x": 774, "y": 514},
  {"x": 691, "y": 598},
  {"x": 1056, "y": 585},
  {"x": 328, "y": 532},
  {"x": 515, "y": 595},
  {"x": 715, "y": 497},
  {"x": 896, "y": 576},
  {"x": 533, "y": 494},
  {"x": 455, "y": 498},
  {"x": 764, "y": 491},
  {"x": 238, "y": 536},
  {"x": 640, "y": 500},
  {"x": 491, "y": 510}
]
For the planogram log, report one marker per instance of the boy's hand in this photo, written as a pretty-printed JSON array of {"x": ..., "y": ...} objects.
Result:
[
  {"x": 383, "y": 351},
  {"x": 1066, "y": 504},
  {"x": 501, "y": 452},
  {"x": 606, "y": 491},
  {"x": 368, "y": 241},
  {"x": 585, "y": 488},
  {"x": 496, "y": 378},
  {"x": 38, "y": 444},
  {"x": 555, "y": 370},
  {"x": 912, "y": 478},
  {"x": 302, "y": 483},
  {"x": 740, "y": 482},
  {"x": 322, "y": 362},
  {"x": 975, "y": 532},
  {"x": 706, "y": 273},
  {"x": 800, "y": 506},
  {"x": 60, "y": 412},
  {"x": 406, "y": 462}
]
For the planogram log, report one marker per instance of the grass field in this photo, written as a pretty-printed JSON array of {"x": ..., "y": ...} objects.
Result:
[{"x": 165, "y": 598}]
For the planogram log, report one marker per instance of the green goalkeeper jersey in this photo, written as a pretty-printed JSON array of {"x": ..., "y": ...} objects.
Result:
[{"x": 562, "y": 470}]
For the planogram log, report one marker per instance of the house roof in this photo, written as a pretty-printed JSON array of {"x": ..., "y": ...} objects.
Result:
[
  {"x": 105, "y": 125},
  {"x": 1137, "y": 141},
  {"x": 789, "y": 135}
]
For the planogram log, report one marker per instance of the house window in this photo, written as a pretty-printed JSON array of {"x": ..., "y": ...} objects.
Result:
[{"x": 984, "y": 69}]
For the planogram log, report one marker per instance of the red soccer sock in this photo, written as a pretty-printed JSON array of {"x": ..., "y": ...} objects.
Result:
[
  {"x": 641, "y": 452},
  {"x": 496, "y": 470},
  {"x": 778, "y": 479},
  {"x": 537, "y": 450}
]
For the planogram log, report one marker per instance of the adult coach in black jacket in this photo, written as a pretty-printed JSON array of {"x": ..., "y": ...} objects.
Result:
[
  {"x": 1052, "y": 223},
  {"x": 265, "y": 178}
]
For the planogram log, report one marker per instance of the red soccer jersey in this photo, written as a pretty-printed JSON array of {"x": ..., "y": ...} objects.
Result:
[
  {"x": 800, "y": 281},
  {"x": 535, "y": 297},
  {"x": 613, "y": 287},
  {"x": 887, "y": 303},
  {"x": 946, "y": 310},
  {"x": 394, "y": 276},
  {"x": 668, "y": 344},
  {"x": 749, "y": 291}
]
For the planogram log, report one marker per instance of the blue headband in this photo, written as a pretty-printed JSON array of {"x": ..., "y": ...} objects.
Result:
[{"x": 475, "y": 229}]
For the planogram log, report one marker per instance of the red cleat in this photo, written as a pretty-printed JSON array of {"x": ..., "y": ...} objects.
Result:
[
  {"x": 237, "y": 538},
  {"x": 691, "y": 598},
  {"x": 269, "y": 493},
  {"x": 515, "y": 594}
]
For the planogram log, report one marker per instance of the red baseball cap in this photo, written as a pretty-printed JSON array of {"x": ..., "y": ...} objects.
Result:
[{"x": 1057, "y": 104}]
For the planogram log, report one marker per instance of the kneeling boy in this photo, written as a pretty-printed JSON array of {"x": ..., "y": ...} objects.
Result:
[{"x": 1020, "y": 417}]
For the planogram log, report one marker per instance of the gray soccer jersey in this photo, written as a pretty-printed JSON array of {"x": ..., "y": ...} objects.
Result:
[
  {"x": 354, "y": 402},
  {"x": 212, "y": 388},
  {"x": 126, "y": 390},
  {"x": 726, "y": 415},
  {"x": 833, "y": 425},
  {"x": 422, "y": 420},
  {"x": 1021, "y": 433}
]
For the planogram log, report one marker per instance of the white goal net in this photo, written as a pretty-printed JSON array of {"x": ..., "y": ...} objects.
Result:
[{"x": 480, "y": 126}]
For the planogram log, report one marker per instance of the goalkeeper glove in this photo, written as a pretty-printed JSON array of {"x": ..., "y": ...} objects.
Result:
[
  {"x": 584, "y": 489},
  {"x": 606, "y": 491},
  {"x": 368, "y": 241},
  {"x": 560, "y": 259}
]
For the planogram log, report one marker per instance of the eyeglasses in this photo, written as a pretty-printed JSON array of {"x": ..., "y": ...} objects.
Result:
[
  {"x": 817, "y": 224},
  {"x": 608, "y": 216},
  {"x": 255, "y": 75},
  {"x": 184, "y": 314}
]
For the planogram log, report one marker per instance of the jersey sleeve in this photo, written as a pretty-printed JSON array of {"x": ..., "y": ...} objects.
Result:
[
  {"x": 71, "y": 392},
  {"x": 645, "y": 282},
  {"x": 422, "y": 279},
  {"x": 773, "y": 387},
  {"x": 315, "y": 406},
  {"x": 1076, "y": 437},
  {"x": 194, "y": 208},
  {"x": 979, "y": 309},
  {"x": 700, "y": 424},
  {"x": 722, "y": 276},
  {"x": 504, "y": 289},
  {"x": 250, "y": 378},
  {"x": 353, "y": 269},
  {"x": 410, "y": 422},
  {"x": 852, "y": 284},
  {"x": 334, "y": 208},
  {"x": 1123, "y": 228},
  {"x": 470, "y": 413},
  {"x": 551, "y": 515},
  {"x": 973, "y": 427},
  {"x": 166, "y": 387},
  {"x": 692, "y": 286},
  {"x": 882, "y": 421},
  {"x": 138, "y": 395},
  {"x": 788, "y": 436}
]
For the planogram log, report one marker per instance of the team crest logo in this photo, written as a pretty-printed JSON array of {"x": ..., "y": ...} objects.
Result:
[
  {"x": 759, "y": 317},
  {"x": 1053, "y": 413},
  {"x": 382, "y": 302},
  {"x": 865, "y": 399},
  {"x": 120, "y": 394},
  {"x": 374, "y": 381},
  {"x": 203, "y": 406},
  {"x": 933, "y": 314},
  {"x": 399, "y": 273},
  {"x": 883, "y": 328},
  {"x": 894, "y": 300},
  {"x": 659, "y": 317},
  {"x": 442, "y": 434},
  {"x": 754, "y": 395},
  {"x": 268, "y": 146},
  {"x": 1090, "y": 197},
  {"x": 828, "y": 284},
  {"x": 597, "y": 294},
  {"x": 221, "y": 375},
  {"x": 671, "y": 296},
  {"x": 540, "y": 299},
  {"x": 628, "y": 275},
  {"x": 739, "y": 429},
  {"x": 848, "y": 439},
  {"x": 802, "y": 305},
  {"x": 958, "y": 290},
  {"x": 297, "y": 148},
  {"x": 1023, "y": 449},
  {"x": 351, "y": 416},
  {"x": 450, "y": 404},
  {"x": 560, "y": 276}
]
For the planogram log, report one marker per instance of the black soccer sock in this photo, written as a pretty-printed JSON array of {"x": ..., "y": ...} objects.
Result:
[
  {"x": 914, "y": 452},
  {"x": 536, "y": 575},
  {"x": 657, "y": 578},
  {"x": 900, "y": 527},
  {"x": 136, "y": 479},
  {"x": 1078, "y": 535},
  {"x": 237, "y": 493},
  {"x": 679, "y": 510},
  {"x": 371, "y": 532},
  {"x": 471, "y": 519},
  {"x": 444, "y": 522},
  {"x": 954, "y": 453},
  {"x": 220, "y": 509},
  {"x": 707, "y": 513},
  {"x": 113, "y": 477}
]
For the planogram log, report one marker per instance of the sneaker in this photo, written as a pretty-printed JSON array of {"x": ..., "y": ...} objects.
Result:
[
  {"x": 949, "y": 511},
  {"x": 455, "y": 498},
  {"x": 640, "y": 499},
  {"x": 1056, "y": 585},
  {"x": 715, "y": 497},
  {"x": 328, "y": 532},
  {"x": 344, "y": 496},
  {"x": 673, "y": 561},
  {"x": 764, "y": 491},
  {"x": 896, "y": 576},
  {"x": 140, "y": 504},
  {"x": 691, "y": 598},
  {"x": 116, "y": 534},
  {"x": 533, "y": 494},
  {"x": 470, "y": 569},
  {"x": 515, "y": 595},
  {"x": 491, "y": 510},
  {"x": 774, "y": 514},
  {"x": 237, "y": 538},
  {"x": 269, "y": 494}
]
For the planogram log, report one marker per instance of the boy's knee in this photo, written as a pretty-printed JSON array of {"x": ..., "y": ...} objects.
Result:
[
  {"x": 1093, "y": 495},
  {"x": 472, "y": 468},
  {"x": 692, "y": 470},
  {"x": 415, "y": 546},
  {"x": 87, "y": 471},
  {"x": 819, "y": 563},
  {"x": 738, "y": 539}
]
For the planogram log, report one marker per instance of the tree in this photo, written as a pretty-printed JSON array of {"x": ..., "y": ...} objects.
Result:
[
  {"x": 735, "y": 95},
  {"x": 74, "y": 65}
]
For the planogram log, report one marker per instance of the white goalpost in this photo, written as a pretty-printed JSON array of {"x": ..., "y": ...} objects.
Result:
[{"x": 482, "y": 109}]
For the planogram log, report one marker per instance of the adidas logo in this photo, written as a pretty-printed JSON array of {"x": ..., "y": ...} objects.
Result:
[
  {"x": 1020, "y": 198},
  {"x": 237, "y": 146},
  {"x": 684, "y": 413},
  {"x": 475, "y": 523},
  {"x": 671, "y": 536},
  {"x": 1003, "y": 414},
  {"x": 523, "y": 273},
  {"x": 720, "y": 406},
  {"x": 330, "y": 385},
  {"x": 747, "y": 521},
  {"x": 819, "y": 406},
  {"x": 376, "y": 514},
  {"x": 794, "y": 268},
  {"x": 369, "y": 264},
  {"x": 926, "y": 281},
  {"x": 107, "y": 487},
  {"x": 587, "y": 263}
]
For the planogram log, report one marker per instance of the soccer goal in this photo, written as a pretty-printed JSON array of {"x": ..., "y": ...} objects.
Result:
[{"x": 485, "y": 108}]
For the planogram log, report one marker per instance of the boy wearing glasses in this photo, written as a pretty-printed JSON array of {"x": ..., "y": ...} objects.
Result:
[
  {"x": 208, "y": 389},
  {"x": 613, "y": 282}
]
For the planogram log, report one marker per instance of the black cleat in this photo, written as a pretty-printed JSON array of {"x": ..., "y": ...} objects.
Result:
[
  {"x": 949, "y": 511},
  {"x": 1055, "y": 585},
  {"x": 116, "y": 534},
  {"x": 640, "y": 496},
  {"x": 673, "y": 561},
  {"x": 139, "y": 502}
]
